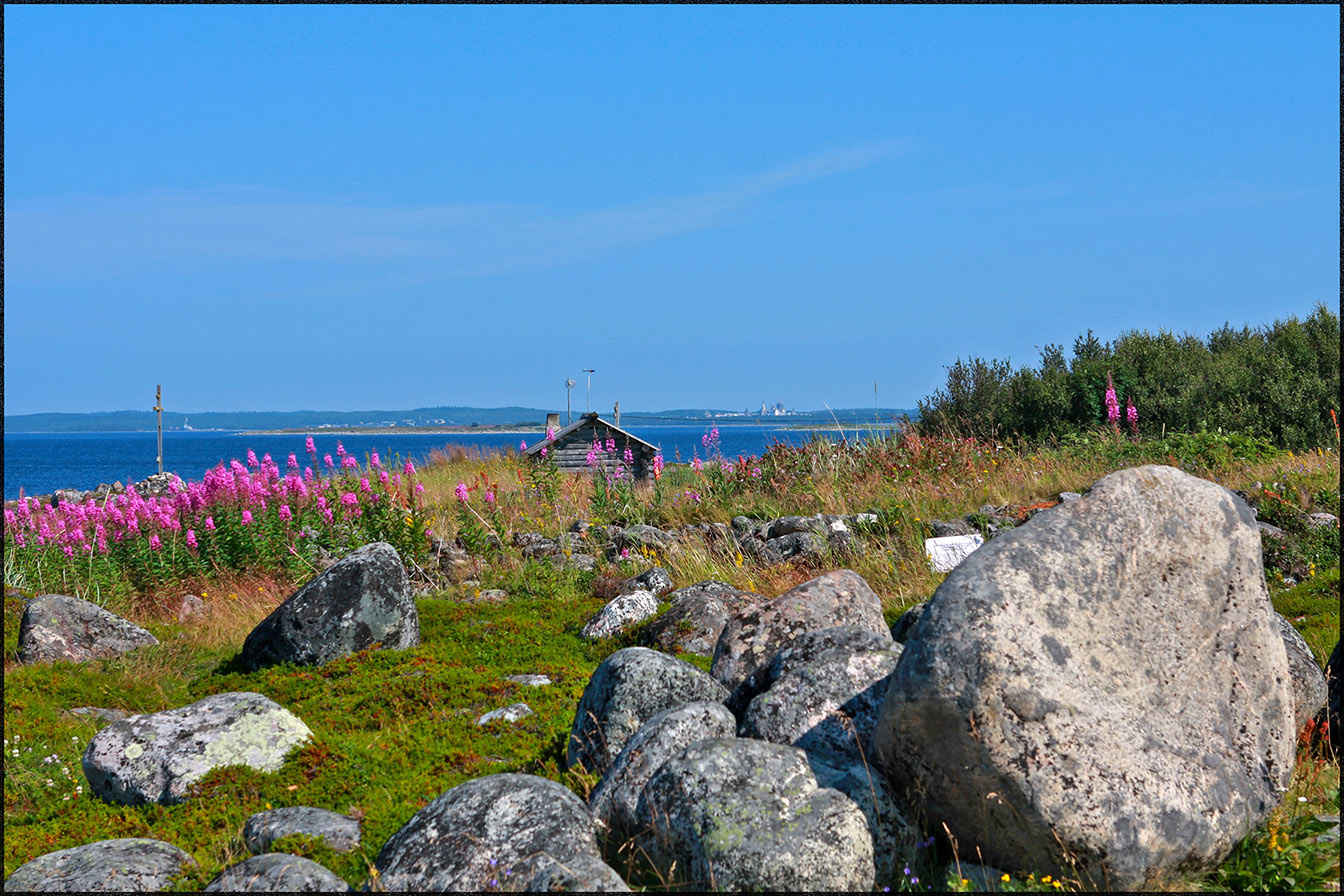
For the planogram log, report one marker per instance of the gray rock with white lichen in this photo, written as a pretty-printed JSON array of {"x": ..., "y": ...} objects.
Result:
[{"x": 131, "y": 864}]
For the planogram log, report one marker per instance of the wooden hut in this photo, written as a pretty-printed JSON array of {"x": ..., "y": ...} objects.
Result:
[{"x": 570, "y": 448}]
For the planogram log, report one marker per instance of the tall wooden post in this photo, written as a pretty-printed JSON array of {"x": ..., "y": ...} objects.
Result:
[
  {"x": 158, "y": 407},
  {"x": 616, "y": 412}
]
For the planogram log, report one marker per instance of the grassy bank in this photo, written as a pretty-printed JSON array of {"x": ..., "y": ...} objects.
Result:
[{"x": 394, "y": 730}]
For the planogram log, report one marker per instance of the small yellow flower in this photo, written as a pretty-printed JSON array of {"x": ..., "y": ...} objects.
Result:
[
  {"x": 1046, "y": 879},
  {"x": 1004, "y": 878}
]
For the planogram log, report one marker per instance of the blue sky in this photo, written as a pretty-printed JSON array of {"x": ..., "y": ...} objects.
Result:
[{"x": 391, "y": 207}]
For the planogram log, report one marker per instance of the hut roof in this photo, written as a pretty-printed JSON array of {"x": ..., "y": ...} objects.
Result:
[{"x": 585, "y": 420}]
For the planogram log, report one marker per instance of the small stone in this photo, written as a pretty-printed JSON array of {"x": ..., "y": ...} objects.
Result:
[
  {"x": 535, "y": 681},
  {"x": 511, "y": 713}
]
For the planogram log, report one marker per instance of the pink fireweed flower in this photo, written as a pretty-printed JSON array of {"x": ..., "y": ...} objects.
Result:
[
  {"x": 326, "y": 458},
  {"x": 696, "y": 464},
  {"x": 1112, "y": 403},
  {"x": 611, "y": 444},
  {"x": 340, "y": 450},
  {"x": 657, "y": 466},
  {"x": 154, "y": 543},
  {"x": 1132, "y": 416},
  {"x": 625, "y": 553},
  {"x": 327, "y": 514},
  {"x": 408, "y": 469},
  {"x": 550, "y": 433},
  {"x": 308, "y": 474},
  {"x": 373, "y": 460},
  {"x": 629, "y": 456},
  {"x": 364, "y": 484},
  {"x": 210, "y": 523},
  {"x": 284, "y": 512},
  {"x": 251, "y": 458},
  {"x": 543, "y": 453},
  {"x": 349, "y": 462},
  {"x": 592, "y": 457},
  {"x": 383, "y": 477},
  {"x": 191, "y": 538},
  {"x": 522, "y": 445},
  {"x": 293, "y": 463},
  {"x": 490, "y": 498},
  {"x": 419, "y": 487},
  {"x": 308, "y": 445},
  {"x": 461, "y": 492},
  {"x": 247, "y": 517}
]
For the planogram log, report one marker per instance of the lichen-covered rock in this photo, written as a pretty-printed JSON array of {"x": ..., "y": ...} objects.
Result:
[
  {"x": 514, "y": 712},
  {"x": 619, "y": 614},
  {"x": 362, "y": 600},
  {"x": 697, "y": 616},
  {"x": 799, "y": 652},
  {"x": 277, "y": 872},
  {"x": 894, "y": 838},
  {"x": 478, "y": 831},
  {"x": 340, "y": 832},
  {"x": 1106, "y": 682},
  {"x": 731, "y": 814},
  {"x": 615, "y": 797},
  {"x": 128, "y": 865},
  {"x": 752, "y": 636},
  {"x": 627, "y": 689},
  {"x": 827, "y": 706},
  {"x": 58, "y": 627},
  {"x": 543, "y": 873},
  {"x": 155, "y": 758},
  {"x": 656, "y": 580},
  {"x": 1308, "y": 681}
]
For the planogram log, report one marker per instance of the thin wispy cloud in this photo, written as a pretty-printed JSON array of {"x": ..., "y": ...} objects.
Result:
[{"x": 109, "y": 237}]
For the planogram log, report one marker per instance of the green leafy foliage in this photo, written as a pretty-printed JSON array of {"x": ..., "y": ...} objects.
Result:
[{"x": 1278, "y": 383}]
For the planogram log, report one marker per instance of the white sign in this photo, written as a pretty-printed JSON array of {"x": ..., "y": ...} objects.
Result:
[{"x": 946, "y": 552}]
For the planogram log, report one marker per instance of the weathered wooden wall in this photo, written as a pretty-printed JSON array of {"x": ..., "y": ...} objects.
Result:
[{"x": 571, "y": 452}]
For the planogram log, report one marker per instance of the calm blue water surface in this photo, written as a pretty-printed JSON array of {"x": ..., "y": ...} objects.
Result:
[{"x": 40, "y": 463}]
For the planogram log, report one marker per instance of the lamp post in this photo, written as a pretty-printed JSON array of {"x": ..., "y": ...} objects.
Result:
[
  {"x": 588, "y": 399},
  {"x": 569, "y": 388}
]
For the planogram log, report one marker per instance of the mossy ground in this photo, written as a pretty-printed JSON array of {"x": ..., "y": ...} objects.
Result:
[{"x": 393, "y": 730}]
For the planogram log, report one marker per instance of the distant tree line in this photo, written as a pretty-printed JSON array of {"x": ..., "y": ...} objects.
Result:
[{"x": 1277, "y": 382}]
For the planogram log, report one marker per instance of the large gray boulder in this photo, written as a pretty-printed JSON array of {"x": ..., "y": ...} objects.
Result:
[
  {"x": 1308, "y": 681},
  {"x": 732, "y": 814},
  {"x": 339, "y": 832},
  {"x": 277, "y": 872},
  {"x": 697, "y": 616},
  {"x": 614, "y": 799},
  {"x": 128, "y": 865},
  {"x": 1104, "y": 685},
  {"x": 498, "y": 828},
  {"x": 803, "y": 650},
  {"x": 827, "y": 707},
  {"x": 619, "y": 614},
  {"x": 627, "y": 689},
  {"x": 155, "y": 758},
  {"x": 362, "y": 600},
  {"x": 752, "y": 636},
  {"x": 57, "y": 627}
]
